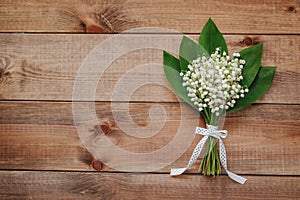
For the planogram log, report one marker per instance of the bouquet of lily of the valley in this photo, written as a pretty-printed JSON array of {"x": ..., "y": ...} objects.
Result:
[{"x": 214, "y": 83}]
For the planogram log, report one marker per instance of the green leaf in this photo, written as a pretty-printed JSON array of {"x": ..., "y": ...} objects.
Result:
[
  {"x": 172, "y": 70},
  {"x": 252, "y": 56},
  {"x": 189, "y": 51},
  {"x": 260, "y": 85},
  {"x": 211, "y": 38},
  {"x": 171, "y": 61}
]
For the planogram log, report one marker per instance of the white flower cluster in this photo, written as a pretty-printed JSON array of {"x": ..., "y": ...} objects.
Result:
[{"x": 214, "y": 82}]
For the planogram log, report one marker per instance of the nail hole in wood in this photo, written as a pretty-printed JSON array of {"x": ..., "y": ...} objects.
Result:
[
  {"x": 83, "y": 25},
  {"x": 291, "y": 9}
]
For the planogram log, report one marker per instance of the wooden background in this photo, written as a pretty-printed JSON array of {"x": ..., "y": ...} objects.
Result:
[{"x": 43, "y": 43}]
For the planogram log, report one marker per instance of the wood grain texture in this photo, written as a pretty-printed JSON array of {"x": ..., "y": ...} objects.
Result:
[
  {"x": 232, "y": 16},
  {"x": 263, "y": 139},
  {"x": 65, "y": 185},
  {"x": 41, "y": 153},
  {"x": 44, "y": 67}
]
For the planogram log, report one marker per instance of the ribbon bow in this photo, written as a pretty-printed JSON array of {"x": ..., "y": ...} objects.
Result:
[{"x": 219, "y": 134}]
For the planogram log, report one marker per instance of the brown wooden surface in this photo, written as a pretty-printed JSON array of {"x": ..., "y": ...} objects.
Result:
[
  {"x": 232, "y": 16},
  {"x": 44, "y": 67},
  {"x": 76, "y": 185},
  {"x": 41, "y": 155},
  {"x": 28, "y": 128}
]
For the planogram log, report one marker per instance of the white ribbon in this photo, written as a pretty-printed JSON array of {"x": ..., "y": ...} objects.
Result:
[{"x": 213, "y": 132}]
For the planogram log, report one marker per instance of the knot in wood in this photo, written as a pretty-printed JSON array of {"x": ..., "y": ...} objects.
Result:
[
  {"x": 291, "y": 9},
  {"x": 247, "y": 41},
  {"x": 97, "y": 165},
  {"x": 106, "y": 127},
  {"x": 5, "y": 66}
]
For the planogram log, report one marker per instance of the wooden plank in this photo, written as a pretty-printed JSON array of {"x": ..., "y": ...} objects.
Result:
[
  {"x": 263, "y": 139},
  {"x": 44, "y": 67},
  {"x": 66, "y": 185},
  {"x": 249, "y": 17}
]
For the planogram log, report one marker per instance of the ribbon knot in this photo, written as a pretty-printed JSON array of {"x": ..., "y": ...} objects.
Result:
[
  {"x": 212, "y": 131},
  {"x": 219, "y": 134}
]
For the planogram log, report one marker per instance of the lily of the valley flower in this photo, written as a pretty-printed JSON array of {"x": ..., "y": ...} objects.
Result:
[{"x": 214, "y": 82}]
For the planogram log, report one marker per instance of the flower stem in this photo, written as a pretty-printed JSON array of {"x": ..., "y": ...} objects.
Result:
[
  {"x": 210, "y": 164},
  {"x": 206, "y": 115}
]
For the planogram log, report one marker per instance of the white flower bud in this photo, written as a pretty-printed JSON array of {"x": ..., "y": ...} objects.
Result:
[{"x": 212, "y": 81}]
